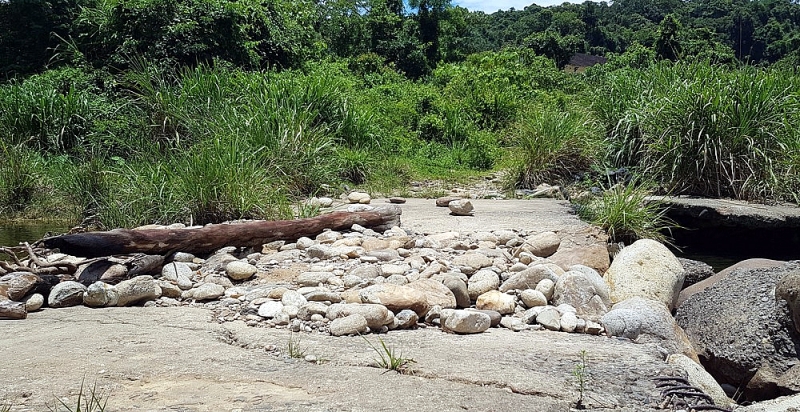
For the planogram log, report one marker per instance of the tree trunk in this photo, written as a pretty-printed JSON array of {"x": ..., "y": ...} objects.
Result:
[
  {"x": 12, "y": 310},
  {"x": 210, "y": 238}
]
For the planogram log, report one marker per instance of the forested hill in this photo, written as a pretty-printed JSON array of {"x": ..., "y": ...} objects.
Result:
[{"x": 287, "y": 33}]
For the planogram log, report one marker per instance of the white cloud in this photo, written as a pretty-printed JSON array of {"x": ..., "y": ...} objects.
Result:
[{"x": 491, "y": 6}]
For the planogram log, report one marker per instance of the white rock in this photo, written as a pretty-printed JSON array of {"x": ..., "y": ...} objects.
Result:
[
  {"x": 33, "y": 302},
  {"x": 359, "y": 197},
  {"x": 461, "y": 207},
  {"x": 531, "y": 298},
  {"x": 546, "y": 287},
  {"x": 482, "y": 282},
  {"x": 549, "y": 318},
  {"x": 270, "y": 309},
  {"x": 293, "y": 298},
  {"x": 66, "y": 294},
  {"x": 207, "y": 291},
  {"x": 497, "y": 301},
  {"x": 349, "y": 325},
  {"x": 238, "y": 270},
  {"x": 463, "y": 321},
  {"x": 569, "y": 322},
  {"x": 645, "y": 269}
]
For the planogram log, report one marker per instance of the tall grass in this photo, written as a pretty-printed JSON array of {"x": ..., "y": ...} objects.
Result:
[
  {"x": 703, "y": 129},
  {"x": 626, "y": 214},
  {"x": 19, "y": 167},
  {"x": 553, "y": 146}
]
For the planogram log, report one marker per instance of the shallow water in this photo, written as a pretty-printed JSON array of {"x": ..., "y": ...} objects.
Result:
[{"x": 13, "y": 233}]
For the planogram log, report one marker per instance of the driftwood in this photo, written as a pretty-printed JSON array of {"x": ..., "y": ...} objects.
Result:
[
  {"x": 210, "y": 238},
  {"x": 12, "y": 310}
]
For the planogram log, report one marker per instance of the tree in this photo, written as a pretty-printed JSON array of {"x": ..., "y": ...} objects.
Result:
[{"x": 667, "y": 45}]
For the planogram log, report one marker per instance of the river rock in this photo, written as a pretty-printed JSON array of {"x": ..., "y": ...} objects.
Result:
[
  {"x": 349, "y": 325},
  {"x": 497, "y": 301},
  {"x": 459, "y": 290},
  {"x": 19, "y": 284},
  {"x": 550, "y": 318},
  {"x": 460, "y": 207},
  {"x": 307, "y": 311},
  {"x": 542, "y": 245},
  {"x": 376, "y": 315},
  {"x": 293, "y": 298},
  {"x": 588, "y": 293},
  {"x": 647, "y": 321},
  {"x": 100, "y": 294},
  {"x": 396, "y": 298},
  {"x": 695, "y": 271},
  {"x": 207, "y": 291},
  {"x": 179, "y": 273},
  {"x": 445, "y": 201},
  {"x": 531, "y": 298},
  {"x": 238, "y": 270},
  {"x": 482, "y": 282},
  {"x": 466, "y": 322},
  {"x": 137, "y": 290},
  {"x": 494, "y": 316},
  {"x": 435, "y": 292},
  {"x": 738, "y": 326},
  {"x": 367, "y": 271},
  {"x": 645, "y": 269},
  {"x": 569, "y": 322},
  {"x": 406, "y": 319},
  {"x": 472, "y": 262},
  {"x": 323, "y": 296},
  {"x": 359, "y": 197},
  {"x": 594, "y": 256},
  {"x": 528, "y": 278},
  {"x": 65, "y": 294},
  {"x": 312, "y": 278},
  {"x": 547, "y": 287},
  {"x": 170, "y": 290},
  {"x": 33, "y": 302}
]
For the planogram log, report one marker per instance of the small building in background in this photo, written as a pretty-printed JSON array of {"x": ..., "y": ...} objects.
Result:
[{"x": 580, "y": 61}]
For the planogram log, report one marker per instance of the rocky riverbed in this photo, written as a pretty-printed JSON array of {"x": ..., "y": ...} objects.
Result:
[{"x": 505, "y": 304}]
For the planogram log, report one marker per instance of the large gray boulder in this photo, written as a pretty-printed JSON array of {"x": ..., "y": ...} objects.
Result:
[
  {"x": 648, "y": 321},
  {"x": 739, "y": 328},
  {"x": 646, "y": 269}
]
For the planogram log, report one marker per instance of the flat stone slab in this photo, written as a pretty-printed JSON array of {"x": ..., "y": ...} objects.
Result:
[
  {"x": 731, "y": 213},
  {"x": 160, "y": 359}
]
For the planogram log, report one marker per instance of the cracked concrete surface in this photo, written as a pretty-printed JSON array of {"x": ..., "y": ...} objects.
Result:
[{"x": 174, "y": 359}]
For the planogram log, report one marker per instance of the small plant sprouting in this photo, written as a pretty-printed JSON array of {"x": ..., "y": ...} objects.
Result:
[
  {"x": 580, "y": 372},
  {"x": 5, "y": 408},
  {"x": 293, "y": 348},
  {"x": 93, "y": 401},
  {"x": 389, "y": 359}
]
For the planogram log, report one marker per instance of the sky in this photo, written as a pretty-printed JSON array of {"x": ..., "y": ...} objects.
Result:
[{"x": 491, "y": 6}]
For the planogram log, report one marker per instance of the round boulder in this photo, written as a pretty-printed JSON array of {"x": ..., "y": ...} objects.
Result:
[{"x": 645, "y": 269}]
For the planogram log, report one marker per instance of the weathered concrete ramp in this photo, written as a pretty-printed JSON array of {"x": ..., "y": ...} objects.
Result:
[
  {"x": 731, "y": 213},
  {"x": 174, "y": 359}
]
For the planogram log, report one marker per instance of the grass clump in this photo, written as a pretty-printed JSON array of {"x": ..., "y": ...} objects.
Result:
[
  {"x": 390, "y": 359},
  {"x": 552, "y": 145},
  {"x": 626, "y": 214},
  {"x": 293, "y": 348},
  {"x": 92, "y": 401}
]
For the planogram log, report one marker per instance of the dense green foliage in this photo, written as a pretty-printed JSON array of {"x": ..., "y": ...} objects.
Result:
[{"x": 141, "y": 111}]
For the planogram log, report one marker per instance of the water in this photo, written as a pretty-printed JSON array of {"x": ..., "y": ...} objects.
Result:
[{"x": 13, "y": 233}]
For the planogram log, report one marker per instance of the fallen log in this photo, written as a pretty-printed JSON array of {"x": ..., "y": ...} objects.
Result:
[
  {"x": 12, "y": 310},
  {"x": 210, "y": 238}
]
